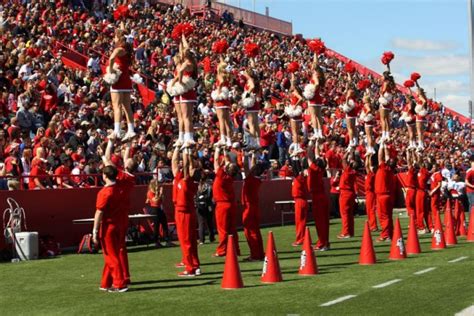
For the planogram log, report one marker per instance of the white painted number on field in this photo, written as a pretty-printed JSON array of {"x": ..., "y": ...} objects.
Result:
[
  {"x": 339, "y": 300},
  {"x": 379, "y": 286},
  {"x": 466, "y": 312},
  {"x": 424, "y": 271},
  {"x": 457, "y": 259}
]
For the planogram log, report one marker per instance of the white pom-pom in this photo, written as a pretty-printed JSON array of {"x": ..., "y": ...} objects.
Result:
[
  {"x": 406, "y": 117},
  {"x": 368, "y": 117},
  {"x": 309, "y": 91},
  {"x": 170, "y": 88},
  {"x": 224, "y": 95},
  {"x": 383, "y": 101},
  {"x": 137, "y": 79},
  {"x": 420, "y": 110},
  {"x": 248, "y": 100},
  {"x": 293, "y": 112},
  {"x": 188, "y": 83},
  {"x": 112, "y": 78},
  {"x": 348, "y": 106},
  {"x": 388, "y": 96},
  {"x": 180, "y": 88}
]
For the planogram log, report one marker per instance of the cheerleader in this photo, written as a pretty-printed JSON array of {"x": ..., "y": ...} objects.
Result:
[
  {"x": 350, "y": 108},
  {"x": 421, "y": 110},
  {"x": 185, "y": 96},
  {"x": 409, "y": 116},
  {"x": 295, "y": 112},
  {"x": 118, "y": 75},
  {"x": 367, "y": 116},
  {"x": 251, "y": 101},
  {"x": 385, "y": 101},
  {"x": 220, "y": 96},
  {"x": 312, "y": 93}
]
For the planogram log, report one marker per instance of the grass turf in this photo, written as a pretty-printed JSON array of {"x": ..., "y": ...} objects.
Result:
[{"x": 69, "y": 284}]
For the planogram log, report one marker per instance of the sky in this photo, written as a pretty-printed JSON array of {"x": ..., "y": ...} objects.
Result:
[{"x": 427, "y": 36}]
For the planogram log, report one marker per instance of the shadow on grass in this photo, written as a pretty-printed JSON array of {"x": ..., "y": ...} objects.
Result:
[
  {"x": 177, "y": 279},
  {"x": 171, "y": 286}
]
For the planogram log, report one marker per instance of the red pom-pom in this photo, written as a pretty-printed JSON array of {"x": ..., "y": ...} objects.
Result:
[
  {"x": 349, "y": 68},
  {"x": 363, "y": 84},
  {"x": 293, "y": 67},
  {"x": 415, "y": 76},
  {"x": 409, "y": 83},
  {"x": 251, "y": 49},
  {"x": 180, "y": 29},
  {"x": 317, "y": 46},
  {"x": 207, "y": 65},
  {"x": 121, "y": 12},
  {"x": 387, "y": 57},
  {"x": 220, "y": 47}
]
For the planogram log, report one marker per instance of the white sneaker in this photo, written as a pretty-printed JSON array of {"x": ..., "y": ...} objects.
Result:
[
  {"x": 104, "y": 289},
  {"x": 228, "y": 143},
  {"x": 198, "y": 271},
  {"x": 116, "y": 290},
  {"x": 220, "y": 143},
  {"x": 178, "y": 143}
]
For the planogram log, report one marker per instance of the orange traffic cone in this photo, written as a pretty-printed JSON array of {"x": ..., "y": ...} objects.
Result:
[
  {"x": 413, "y": 244},
  {"x": 437, "y": 241},
  {"x": 446, "y": 209},
  {"x": 462, "y": 224},
  {"x": 308, "y": 265},
  {"x": 232, "y": 279},
  {"x": 449, "y": 234},
  {"x": 271, "y": 267},
  {"x": 470, "y": 230},
  {"x": 397, "y": 251},
  {"x": 367, "y": 252}
]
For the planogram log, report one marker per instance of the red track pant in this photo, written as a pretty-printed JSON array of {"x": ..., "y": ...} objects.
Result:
[
  {"x": 301, "y": 211},
  {"x": 123, "y": 254},
  {"x": 410, "y": 202},
  {"x": 435, "y": 203},
  {"x": 187, "y": 236},
  {"x": 251, "y": 222},
  {"x": 385, "y": 210},
  {"x": 112, "y": 274},
  {"x": 346, "y": 208},
  {"x": 422, "y": 210},
  {"x": 226, "y": 217},
  {"x": 458, "y": 212},
  {"x": 320, "y": 209},
  {"x": 370, "y": 206}
]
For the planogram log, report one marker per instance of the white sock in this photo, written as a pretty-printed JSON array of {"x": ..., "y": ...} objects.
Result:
[
  {"x": 355, "y": 141},
  {"x": 181, "y": 136},
  {"x": 130, "y": 127},
  {"x": 117, "y": 128},
  {"x": 190, "y": 136}
]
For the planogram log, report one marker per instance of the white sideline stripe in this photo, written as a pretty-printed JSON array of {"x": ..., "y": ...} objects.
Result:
[
  {"x": 466, "y": 312},
  {"x": 424, "y": 271},
  {"x": 457, "y": 259},
  {"x": 379, "y": 286},
  {"x": 338, "y": 300}
]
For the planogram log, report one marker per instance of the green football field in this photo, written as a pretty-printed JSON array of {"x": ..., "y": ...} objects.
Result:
[{"x": 426, "y": 284}]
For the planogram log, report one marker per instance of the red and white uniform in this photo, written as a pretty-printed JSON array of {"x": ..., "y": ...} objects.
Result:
[
  {"x": 221, "y": 100},
  {"x": 255, "y": 99},
  {"x": 184, "y": 92},
  {"x": 320, "y": 204},
  {"x": 383, "y": 190},
  {"x": 124, "y": 84},
  {"x": 435, "y": 180},
  {"x": 226, "y": 210},
  {"x": 370, "y": 200},
  {"x": 350, "y": 107},
  {"x": 109, "y": 201},
  {"x": 251, "y": 216},
  {"x": 294, "y": 111},
  {"x": 408, "y": 115},
  {"x": 422, "y": 206},
  {"x": 367, "y": 117},
  {"x": 186, "y": 221},
  {"x": 410, "y": 199},
  {"x": 421, "y": 112},
  {"x": 316, "y": 100},
  {"x": 347, "y": 200},
  {"x": 386, "y": 99},
  {"x": 299, "y": 192}
]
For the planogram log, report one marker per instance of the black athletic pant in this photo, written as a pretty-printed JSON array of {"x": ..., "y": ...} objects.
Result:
[{"x": 205, "y": 219}]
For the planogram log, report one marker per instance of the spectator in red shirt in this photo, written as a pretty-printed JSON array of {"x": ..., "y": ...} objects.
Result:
[
  {"x": 38, "y": 179},
  {"x": 348, "y": 195},
  {"x": 383, "y": 192},
  {"x": 63, "y": 174}
]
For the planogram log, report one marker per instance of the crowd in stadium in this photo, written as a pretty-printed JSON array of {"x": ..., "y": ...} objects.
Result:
[{"x": 56, "y": 118}]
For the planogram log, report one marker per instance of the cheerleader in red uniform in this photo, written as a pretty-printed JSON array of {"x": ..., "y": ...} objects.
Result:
[
  {"x": 367, "y": 116},
  {"x": 251, "y": 101},
  {"x": 118, "y": 74},
  {"x": 411, "y": 182},
  {"x": 350, "y": 108},
  {"x": 220, "y": 96},
  {"x": 370, "y": 200},
  {"x": 409, "y": 116},
  {"x": 421, "y": 110},
  {"x": 185, "y": 96},
  {"x": 312, "y": 93},
  {"x": 295, "y": 112},
  {"x": 385, "y": 101}
]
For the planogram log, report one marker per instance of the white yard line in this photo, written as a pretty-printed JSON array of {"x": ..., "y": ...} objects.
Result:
[
  {"x": 339, "y": 300},
  {"x": 424, "y": 271},
  {"x": 457, "y": 259},
  {"x": 379, "y": 286},
  {"x": 466, "y": 312}
]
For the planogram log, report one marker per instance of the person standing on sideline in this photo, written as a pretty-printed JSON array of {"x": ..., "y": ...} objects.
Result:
[
  {"x": 299, "y": 192},
  {"x": 410, "y": 199},
  {"x": 347, "y": 185},
  {"x": 435, "y": 189},
  {"x": 370, "y": 200},
  {"x": 224, "y": 196},
  {"x": 251, "y": 214},
  {"x": 154, "y": 206},
  {"x": 186, "y": 216},
  {"x": 320, "y": 201},
  {"x": 423, "y": 214},
  {"x": 383, "y": 191},
  {"x": 107, "y": 230},
  {"x": 205, "y": 210},
  {"x": 470, "y": 184},
  {"x": 177, "y": 170}
]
